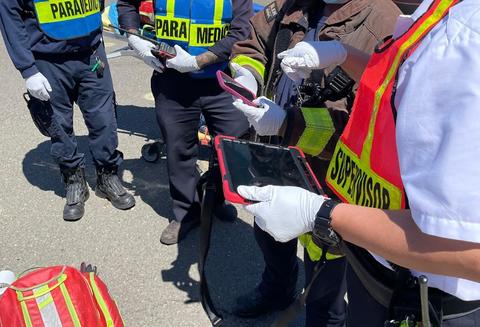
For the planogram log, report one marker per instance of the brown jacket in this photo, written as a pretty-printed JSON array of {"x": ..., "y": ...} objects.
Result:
[{"x": 360, "y": 23}]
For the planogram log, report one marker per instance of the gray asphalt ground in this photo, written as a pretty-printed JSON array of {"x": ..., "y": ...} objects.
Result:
[{"x": 154, "y": 285}]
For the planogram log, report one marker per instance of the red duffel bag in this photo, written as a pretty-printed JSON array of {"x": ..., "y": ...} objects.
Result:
[{"x": 58, "y": 296}]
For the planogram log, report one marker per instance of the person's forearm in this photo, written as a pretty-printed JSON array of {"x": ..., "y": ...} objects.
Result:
[
  {"x": 395, "y": 236},
  {"x": 356, "y": 62},
  {"x": 16, "y": 38},
  {"x": 207, "y": 58}
]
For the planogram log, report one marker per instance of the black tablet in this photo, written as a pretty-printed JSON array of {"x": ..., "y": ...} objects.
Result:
[{"x": 250, "y": 163}]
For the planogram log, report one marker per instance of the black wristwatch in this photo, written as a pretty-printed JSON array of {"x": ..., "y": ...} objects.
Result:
[{"x": 323, "y": 233}]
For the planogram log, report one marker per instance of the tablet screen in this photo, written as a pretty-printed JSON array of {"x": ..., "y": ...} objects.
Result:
[{"x": 260, "y": 165}]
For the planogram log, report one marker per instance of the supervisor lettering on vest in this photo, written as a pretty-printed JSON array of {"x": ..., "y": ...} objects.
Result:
[
  {"x": 68, "y": 19},
  {"x": 194, "y": 25}
]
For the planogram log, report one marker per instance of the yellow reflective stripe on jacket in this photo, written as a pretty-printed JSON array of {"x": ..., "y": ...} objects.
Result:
[
  {"x": 26, "y": 315},
  {"x": 318, "y": 131},
  {"x": 243, "y": 60},
  {"x": 314, "y": 252},
  {"x": 70, "y": 307},
  {"x": 62, "y": 10},
  {"x": 100, "y": 300}
]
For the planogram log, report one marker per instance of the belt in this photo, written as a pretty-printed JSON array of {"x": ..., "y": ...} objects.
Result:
[
  {"x": 81, "y": 53},
  {"x": 380, "y": 282}
]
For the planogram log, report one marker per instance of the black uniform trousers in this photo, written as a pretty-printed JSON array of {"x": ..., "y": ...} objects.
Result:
[
  {"x": 179, "y": 100},
  {"x": 325, "y": 305},
  {"x": 72, "y": 80},
  {"x": 363, "y": 310}
]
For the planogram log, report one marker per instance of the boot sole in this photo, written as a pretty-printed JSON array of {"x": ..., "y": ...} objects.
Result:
[{"x": 103, "y": 195}]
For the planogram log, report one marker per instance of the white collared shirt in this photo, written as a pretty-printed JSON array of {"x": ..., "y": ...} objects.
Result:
[{"x": 438, "y": 133}]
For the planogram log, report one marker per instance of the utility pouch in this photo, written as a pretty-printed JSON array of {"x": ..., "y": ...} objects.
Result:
[{"x": 42, "y": 115}]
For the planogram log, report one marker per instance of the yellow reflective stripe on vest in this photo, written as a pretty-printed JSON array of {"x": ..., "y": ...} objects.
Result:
[
  {"x": 100, "y": 300},
  {"x": 170, "y": 7},
  {"x": 170, "y": 28},
  {"x": 318, "y": 131},
  {"x": 206, "y": 35},
  {"x": 358, "y": 184},
  {"x": 183, "y": 30},
  {"x": 243, "y": 60},
  {"x": 63, "y": 10},
  {"x": 432, "y": 20},
  {"x": 314, "y": 252},
  {"x": 26, "y": 315},
  {"x": 70, "y": 307}
]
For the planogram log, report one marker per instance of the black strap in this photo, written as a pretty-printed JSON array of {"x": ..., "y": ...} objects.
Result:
[
  {"x": 290, "y": 313},
  {"x": 208, "y": 191},
  {"x": 380, "y": 283}
]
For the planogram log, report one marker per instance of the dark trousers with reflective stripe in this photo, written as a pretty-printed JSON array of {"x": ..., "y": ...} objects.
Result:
[
  {"x": 363, "y": 310},
  {"x": 72, "y": 80},
  {"x": 325, "y": 304},
  {"x": 179, "y": 100}
]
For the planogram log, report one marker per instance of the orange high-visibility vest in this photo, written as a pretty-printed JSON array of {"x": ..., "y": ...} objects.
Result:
[{"x": 365, "y": 169}]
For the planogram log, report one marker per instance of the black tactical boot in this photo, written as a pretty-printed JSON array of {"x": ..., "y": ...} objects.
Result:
[
  {"x": 109, "y": 186},
  {"x": 76, "y": 193}
]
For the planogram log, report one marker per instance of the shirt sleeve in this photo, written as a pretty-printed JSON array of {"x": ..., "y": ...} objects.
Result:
[
  {"x": 128, "y": 16},
  {"x": 438, "y": 127},
  {"x": 16, "y": 37},
  {"x": 239, "y": 29}
]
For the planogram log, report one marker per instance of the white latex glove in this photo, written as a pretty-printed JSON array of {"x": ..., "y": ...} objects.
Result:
[
  {"x": 304, "y": 57},
  {"x": 183, "y": 61},
  {"x": 245, "y": 77},
  {"x": 38, "y": 86},
  {"x": 284, "y": 212},
  {"x": 143, "y": 49},
  {"x": 267, "y": 119}
]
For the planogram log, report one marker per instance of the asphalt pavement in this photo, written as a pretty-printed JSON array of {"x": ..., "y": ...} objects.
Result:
[{"x": 154, "y": 285}]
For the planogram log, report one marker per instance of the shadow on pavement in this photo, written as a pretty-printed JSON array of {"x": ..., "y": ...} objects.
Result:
[
  {"x": 41, "y": 170},
  {"x": 139, "y": 121}
]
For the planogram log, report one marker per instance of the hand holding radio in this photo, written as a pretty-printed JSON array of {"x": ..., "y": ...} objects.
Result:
[
  {"x": 144, "y": 49},
  {"x": 183, "y": 61},
  {"x": 266, "y": 117},
  {"x": 284, "y": 212}
]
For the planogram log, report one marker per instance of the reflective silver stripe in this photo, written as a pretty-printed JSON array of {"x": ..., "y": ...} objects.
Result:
[{"x": 47, "y": 307}]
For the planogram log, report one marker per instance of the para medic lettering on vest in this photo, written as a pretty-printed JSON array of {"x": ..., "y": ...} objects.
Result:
[
  {"x": 72, "y": 8},
  {"x": 363, "y": 188},
  {"x": 179, "y": 29}
]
